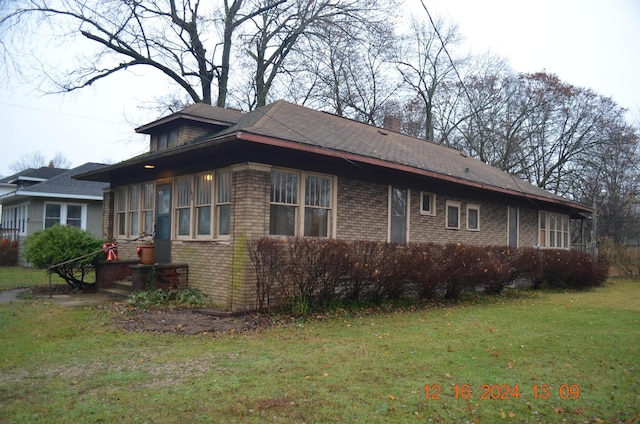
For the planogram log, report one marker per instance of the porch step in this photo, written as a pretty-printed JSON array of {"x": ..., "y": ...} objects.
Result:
[{"x": 120, "y": 289}]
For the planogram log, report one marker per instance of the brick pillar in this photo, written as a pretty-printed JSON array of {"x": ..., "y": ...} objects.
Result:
[
  {"x": 249, "y": 220},
  {"x": 108, "y": 207}
]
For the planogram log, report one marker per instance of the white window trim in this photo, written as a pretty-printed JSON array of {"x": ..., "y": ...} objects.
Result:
[
  {"x": 471, "y": 206},
  {"x": 559, "y": 218},
  {"x": 63, "y": 213},
  {"x": 215, "y": 210},
  {"x": 452, "y": 203},
  {"x": 509, "y": 224},
  {"x": 174, "y": 209},
  {"x": 18, "y": 212},
  {"x": 432, "y": 203},
  {"x": 389, "y": 212},
  {"x": 127, "y": 209},
  {"x": 298, "y": 230}
]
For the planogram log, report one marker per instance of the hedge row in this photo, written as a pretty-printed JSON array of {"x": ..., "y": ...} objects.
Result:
[{"x": 320, "y": 272}]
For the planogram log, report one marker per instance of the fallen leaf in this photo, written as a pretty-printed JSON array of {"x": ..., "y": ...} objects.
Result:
[{"x": 392, "y": 397}]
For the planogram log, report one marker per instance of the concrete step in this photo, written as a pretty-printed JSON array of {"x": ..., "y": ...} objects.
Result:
[
  {"x": 121, "y": 289},
  {"x": 123, "y": 285},
  {"x": 115, "y": 292}
]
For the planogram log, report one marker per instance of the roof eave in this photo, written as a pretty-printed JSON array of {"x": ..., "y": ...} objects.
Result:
[{"x": 406, "y": 168}]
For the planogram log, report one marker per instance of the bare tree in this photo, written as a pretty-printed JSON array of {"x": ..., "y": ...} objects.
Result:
[
  {"x": 278, "y": 30},
  {"x": 425, "y": 64},
  {"x": 37, "y": 159},
  {"x": 168, "y": 36}
]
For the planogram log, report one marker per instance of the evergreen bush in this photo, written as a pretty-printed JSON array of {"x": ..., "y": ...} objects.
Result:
[{"x": 57, "y": 249}]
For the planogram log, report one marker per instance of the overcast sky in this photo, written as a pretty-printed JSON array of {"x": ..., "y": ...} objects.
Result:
[{"x": 588, "y": 43}]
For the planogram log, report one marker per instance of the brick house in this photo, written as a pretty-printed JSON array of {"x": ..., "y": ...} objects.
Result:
[
  {"x": 35, "y": 199},
  {"x": 215, "y": 178}
]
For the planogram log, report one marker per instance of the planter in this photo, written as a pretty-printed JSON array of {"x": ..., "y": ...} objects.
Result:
[{"x": 147, "y": 254}]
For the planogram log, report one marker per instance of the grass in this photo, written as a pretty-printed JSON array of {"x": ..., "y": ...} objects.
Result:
[
  {"x": 19, "y": 277},
  {"x": 72, "y": 365}
]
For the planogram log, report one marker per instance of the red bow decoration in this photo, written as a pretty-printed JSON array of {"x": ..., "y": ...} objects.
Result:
[{"x": 111, "y": 250}]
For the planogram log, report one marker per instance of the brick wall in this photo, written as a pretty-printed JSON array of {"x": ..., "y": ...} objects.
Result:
[
  {"x": 108, "y": 207},
  {"x": 223, "y": 271},
  {"x": 362, "y": 211}
]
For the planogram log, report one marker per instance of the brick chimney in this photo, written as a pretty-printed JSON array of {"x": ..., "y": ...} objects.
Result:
[
  {"x": 51, "y": 165},
  {"x": 392, "y": 123}
]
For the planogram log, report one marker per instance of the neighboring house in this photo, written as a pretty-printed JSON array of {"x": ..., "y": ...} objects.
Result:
[
  {"x": 215, "y": 178},
  {"x": 40, "y": 198}
]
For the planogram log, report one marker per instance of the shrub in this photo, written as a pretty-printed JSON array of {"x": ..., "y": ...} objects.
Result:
[
  {"x": 268, "y": 258},
  {"x": 566, "y": 269},
  {"x": 68, "y": 251},
  {"x": 316, "y": 273},
  {"x": 162, "y": 299}
]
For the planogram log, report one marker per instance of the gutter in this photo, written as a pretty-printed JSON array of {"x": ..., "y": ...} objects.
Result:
[{"x": 404, "y": 168}]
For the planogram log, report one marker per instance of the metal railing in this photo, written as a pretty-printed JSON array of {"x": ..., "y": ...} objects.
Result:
[{"x": 51, "y": 268}]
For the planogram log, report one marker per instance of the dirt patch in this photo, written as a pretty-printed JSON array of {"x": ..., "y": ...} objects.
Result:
[
  {"x": 180, "y": 321},
  {"x": 187, "y": 321}
]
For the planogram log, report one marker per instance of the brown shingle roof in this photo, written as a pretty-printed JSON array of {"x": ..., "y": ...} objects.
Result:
[
  {"x": 335, "y": 135},
  {"x": 198, "y": 112}
]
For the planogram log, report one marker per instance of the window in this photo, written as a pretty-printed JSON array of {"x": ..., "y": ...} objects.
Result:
[
  {"x": 284, "y": 203},
  {"x": 204, "y": 188},
  {"x": 147, "y": 208},
  {"x": 52, "y": 215},
  {"x": 15, "y": 217},
  {"x": 542, "y": 242},
  {"x": 287, "y": 197},
  {"x": 512, "y": 226},
  {"x": 453, "y": 215},
  {"x": 427, "y": 203},
  {"x": 65, "y": 214},
  {"x": 399, "y": 206},
  {"x": 473, "y": 217},
  {"x": 167, "y": 140},
  {"x": 162, "y": 141},
  {"x": 134, "y": 210},
  {"x": 553, "y": 230},
  {"x": 74, "y": 216},
  {"x": 183, "y": 206},
  {"x": 317, "y": 202},
  {"x": 172, "y": 138},
  {"x": 223, "y": 203},
  {"x": 121, "y": 214}
]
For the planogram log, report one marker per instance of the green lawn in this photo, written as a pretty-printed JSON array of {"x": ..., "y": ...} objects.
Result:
[
  {"x": 12, "y": 277},
  {"x": 73, "y": 365}
]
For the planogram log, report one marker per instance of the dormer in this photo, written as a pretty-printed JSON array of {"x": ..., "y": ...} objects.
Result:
[{"x": 190, "y": 124}]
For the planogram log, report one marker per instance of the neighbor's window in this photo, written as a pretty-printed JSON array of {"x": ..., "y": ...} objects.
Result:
[
  {"x": 74, "y": 216},
  {"x": 453, "y": 215},
  {"x": 473, "y": 217},
  {"x": 52, "y": 214},
  {"x": 427, "y": 203},
  {"x": 553, "y": 230},
  {"x": 223, "y": 203},
  {"x": 284, "y": 203},
  {"x": 64, "y": 214},
  {"x": 15, "y": 217},
  {"x": 183, "y": 206}
]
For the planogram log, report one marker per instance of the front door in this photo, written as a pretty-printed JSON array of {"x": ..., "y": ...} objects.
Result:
[{"x": 163, "y": 223}]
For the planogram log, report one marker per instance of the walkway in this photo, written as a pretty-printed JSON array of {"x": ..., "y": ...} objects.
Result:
[{"x": 80, "y": 299}]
